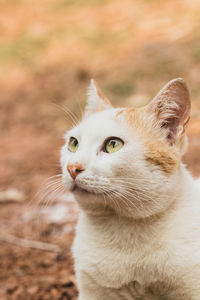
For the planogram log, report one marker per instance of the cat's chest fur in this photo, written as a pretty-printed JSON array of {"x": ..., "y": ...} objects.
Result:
[{"x": 115, "y": 254}]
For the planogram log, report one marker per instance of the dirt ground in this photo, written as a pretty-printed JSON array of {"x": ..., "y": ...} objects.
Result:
[{"x": 48, "y": 53}]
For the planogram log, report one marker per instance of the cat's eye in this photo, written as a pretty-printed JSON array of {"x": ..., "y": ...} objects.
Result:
[
  {"x": 73, "y": 144},
  {"x": 113, "y": 145}
]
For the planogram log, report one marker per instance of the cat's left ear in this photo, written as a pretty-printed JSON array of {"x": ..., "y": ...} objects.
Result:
[
  {"x": 96, "y": 100},
  {"x": 172, "y": 107}
]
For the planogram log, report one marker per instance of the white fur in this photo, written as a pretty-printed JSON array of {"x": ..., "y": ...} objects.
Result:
[
  {"x": 138, "y": 234},
  {"x": 93, "y": 99}
]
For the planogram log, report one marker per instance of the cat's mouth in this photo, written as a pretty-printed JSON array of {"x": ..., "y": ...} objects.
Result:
[{"x": 75, "y": 187}]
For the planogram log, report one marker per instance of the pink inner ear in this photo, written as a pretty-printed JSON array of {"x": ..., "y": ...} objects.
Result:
[
  {"x": 172, "y": 126},
  {"x": 172, "y": 107}
]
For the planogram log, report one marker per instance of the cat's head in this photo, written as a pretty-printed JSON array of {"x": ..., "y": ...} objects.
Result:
[{"x": 128, "y": 160}]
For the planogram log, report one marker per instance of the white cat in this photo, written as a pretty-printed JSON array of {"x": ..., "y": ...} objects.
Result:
[{"x": 138, "y": 235}]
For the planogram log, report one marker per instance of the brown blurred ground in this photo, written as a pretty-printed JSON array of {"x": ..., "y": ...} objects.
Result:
[{"x": 48, "y": 52}]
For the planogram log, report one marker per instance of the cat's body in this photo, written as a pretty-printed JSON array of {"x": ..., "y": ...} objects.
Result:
[
  {"x": 138, "y": 235},
  {"x": 159, "y": 253}
]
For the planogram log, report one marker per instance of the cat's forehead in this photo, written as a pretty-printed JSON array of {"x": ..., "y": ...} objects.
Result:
[{"x": 100, "y": 122}]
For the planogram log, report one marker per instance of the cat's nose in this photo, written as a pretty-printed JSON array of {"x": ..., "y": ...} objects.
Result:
[{"x": 74, "y": 170}]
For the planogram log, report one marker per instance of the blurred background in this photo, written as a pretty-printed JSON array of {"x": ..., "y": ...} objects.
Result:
[{"x": 49, "y": 50}]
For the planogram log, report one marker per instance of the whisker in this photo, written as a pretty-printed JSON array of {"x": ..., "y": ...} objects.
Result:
[
  {"x": 47, "y": 189},
  {"x": 54, "y": 194},
  {"x": 44, "y": 186},
  {"x": 134, "y": 186},
  {"x": 70, "y": 114}
]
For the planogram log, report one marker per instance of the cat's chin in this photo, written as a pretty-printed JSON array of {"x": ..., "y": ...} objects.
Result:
[{"x": 75, "y": 188}]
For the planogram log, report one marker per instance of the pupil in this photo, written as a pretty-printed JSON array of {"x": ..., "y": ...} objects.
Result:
[{"x": 113, "y": 143}]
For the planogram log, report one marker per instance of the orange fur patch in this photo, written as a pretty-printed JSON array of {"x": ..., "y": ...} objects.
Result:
[
  {"x": 159, "y": 156},
  {"x": 157, "y": 150}
]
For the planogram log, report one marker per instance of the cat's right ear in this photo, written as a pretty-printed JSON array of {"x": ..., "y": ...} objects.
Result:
[{"x": 96, "y": 101}]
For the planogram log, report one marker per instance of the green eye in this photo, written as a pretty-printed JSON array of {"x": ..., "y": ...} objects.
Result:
[
  {"x": 113, "y": 145},
  {"x": 73, "y": 144}
]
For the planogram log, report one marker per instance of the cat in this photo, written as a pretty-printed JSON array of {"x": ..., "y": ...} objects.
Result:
[{"x": 138, "y": 234}]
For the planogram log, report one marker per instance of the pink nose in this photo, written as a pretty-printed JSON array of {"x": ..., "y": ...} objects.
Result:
[{"x": 74, "y": 170}]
